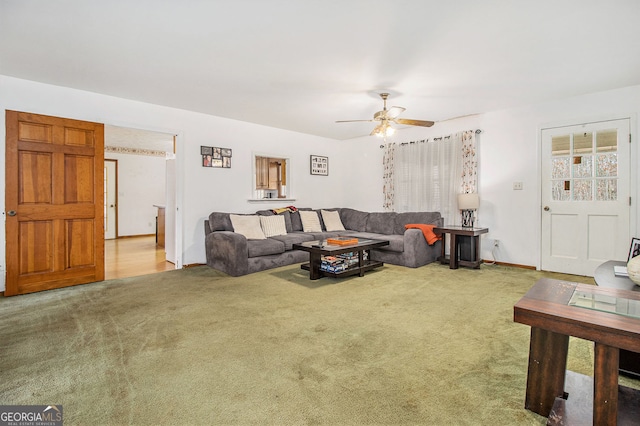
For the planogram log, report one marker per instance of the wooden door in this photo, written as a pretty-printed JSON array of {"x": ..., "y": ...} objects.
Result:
[
  {"x": 585, "y": 196},
  {"x": 54, "y": 202}
]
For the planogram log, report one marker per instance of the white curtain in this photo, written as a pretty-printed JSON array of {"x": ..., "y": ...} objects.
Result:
[{"x": 428, "y": 176}]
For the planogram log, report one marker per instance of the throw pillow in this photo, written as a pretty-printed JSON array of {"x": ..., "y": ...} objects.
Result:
[
  {"x": 310, "y": 221},
  {"x": 332, "y": 220},
  {"x": 248, "y": 225},
  {"x": 273, "y": 225}
]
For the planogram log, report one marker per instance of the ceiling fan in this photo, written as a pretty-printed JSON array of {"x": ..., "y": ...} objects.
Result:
[{"x": 388, "y": 116}]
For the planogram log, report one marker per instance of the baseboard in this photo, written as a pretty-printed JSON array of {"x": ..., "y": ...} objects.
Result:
[
  {"x": 515, "y": 265},
  {"x": 193, "y": 265},
  {"x": 119, "y": 237}
]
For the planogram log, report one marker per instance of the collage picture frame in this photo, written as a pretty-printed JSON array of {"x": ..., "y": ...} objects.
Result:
[
  {"x": 319, "y": 165},
  {"x": 214, "y": 156}
]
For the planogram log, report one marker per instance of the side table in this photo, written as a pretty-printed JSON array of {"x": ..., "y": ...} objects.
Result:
[{"x": 456, "y": 232}]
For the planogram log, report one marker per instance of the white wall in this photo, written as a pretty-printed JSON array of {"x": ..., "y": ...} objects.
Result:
[
  {"x": 200, "y": 190},
  {"x": 141, "y": 184},
  {"x": 509, "y": 151}
]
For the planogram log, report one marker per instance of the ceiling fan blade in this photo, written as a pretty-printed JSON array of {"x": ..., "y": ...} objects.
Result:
[
  {"x": 411, "y": 122},
  {"x": 394, "y": 111},
  {"x": 351, "y": 121}
]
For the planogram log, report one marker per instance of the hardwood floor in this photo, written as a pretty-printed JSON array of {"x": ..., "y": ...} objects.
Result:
[{"x": 134, "y": 256}]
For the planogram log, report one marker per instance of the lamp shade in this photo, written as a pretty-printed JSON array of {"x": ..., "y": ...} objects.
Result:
[{"x": 468, "y": 201}]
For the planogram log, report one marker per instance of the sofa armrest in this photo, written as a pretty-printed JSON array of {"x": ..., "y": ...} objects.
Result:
[
  {"x": 228, "y": 252},
  {"x": 416, "y": 250}
]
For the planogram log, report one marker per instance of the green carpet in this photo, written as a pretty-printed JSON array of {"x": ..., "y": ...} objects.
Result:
[{"x": 399, "y": 346}]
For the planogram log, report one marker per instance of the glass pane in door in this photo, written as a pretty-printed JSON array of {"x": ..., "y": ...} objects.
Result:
[{"x": 606, "y": 166}]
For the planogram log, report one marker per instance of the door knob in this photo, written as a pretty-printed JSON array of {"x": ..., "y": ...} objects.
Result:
[
  {"x": 11, "y": 213},
  {"x": 546, "y": 208}
]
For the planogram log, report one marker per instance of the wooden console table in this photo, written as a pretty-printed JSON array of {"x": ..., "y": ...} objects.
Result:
[
  {"x": 546, "y": 309},
  {"x": 455, "y": 233}
]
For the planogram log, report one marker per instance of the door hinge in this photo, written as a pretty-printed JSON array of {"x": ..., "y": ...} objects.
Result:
[
  {"x": 629, "y": 137},
  {"x": 629, "y": 200}
]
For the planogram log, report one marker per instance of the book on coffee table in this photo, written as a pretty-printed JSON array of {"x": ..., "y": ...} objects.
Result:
[{"x": 342, "y": 241}]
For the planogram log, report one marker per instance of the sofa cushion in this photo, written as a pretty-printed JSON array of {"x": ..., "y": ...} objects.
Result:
[
  {"x": 285, "y": 214},
  {"x": 382, "y": 223},
  {"x": 248, "y": 225},
  {"x": 354, "y": 220},
  {"x": 310, "y": 221},
  {"x": 296, "y": 222},
  {"x": 293, "y": 238},
  {"x": 220, "y": 222},
  {"x": 331, "y": 220},
  {"x": 273, "y": 225},
  {"x": 264, "y": 247},
  {"x": 324, "y": 235},
  {"x": 396, "y": 242},
  {"x": 403, "y": 219}
]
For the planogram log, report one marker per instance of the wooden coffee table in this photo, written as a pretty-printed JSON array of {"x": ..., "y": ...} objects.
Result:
[{"x": 317, "y": 249}]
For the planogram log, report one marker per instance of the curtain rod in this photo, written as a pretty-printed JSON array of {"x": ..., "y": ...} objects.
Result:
[{"x": 477, "y": 132}]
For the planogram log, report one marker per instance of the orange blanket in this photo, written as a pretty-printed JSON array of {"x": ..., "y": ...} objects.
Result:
[{"x": 427, "y": 230}]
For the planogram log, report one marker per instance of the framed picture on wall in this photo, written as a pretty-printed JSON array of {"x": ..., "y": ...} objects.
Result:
[
  {"x": 217, "y": 157},
  {"x": 319, "y": 165}
]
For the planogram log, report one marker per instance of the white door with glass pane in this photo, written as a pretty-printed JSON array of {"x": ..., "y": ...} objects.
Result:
[{"x": 585, "y": 196}]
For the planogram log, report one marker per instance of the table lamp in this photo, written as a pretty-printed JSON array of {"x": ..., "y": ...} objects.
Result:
[{"x": 468, "y": 203}]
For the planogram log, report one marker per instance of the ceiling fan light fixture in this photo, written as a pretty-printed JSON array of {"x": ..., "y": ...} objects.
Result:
[
  {"x": 388, "y": 116},
  {"x": 389, "y": 130}
]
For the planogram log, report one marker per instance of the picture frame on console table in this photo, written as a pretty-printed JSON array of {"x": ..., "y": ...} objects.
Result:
[
  {"x": 634, "y": 250},
  {"x": 319, "y": 165}
]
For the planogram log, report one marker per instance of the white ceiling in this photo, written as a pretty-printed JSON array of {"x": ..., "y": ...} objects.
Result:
[{"x": 303, "y": 64}]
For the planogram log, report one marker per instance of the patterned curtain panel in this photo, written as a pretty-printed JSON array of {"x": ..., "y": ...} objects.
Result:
[
  {"x": 469, "y": 183},
  {"x": 428, "y": 175},
  {"x": 387, "y": 178}
]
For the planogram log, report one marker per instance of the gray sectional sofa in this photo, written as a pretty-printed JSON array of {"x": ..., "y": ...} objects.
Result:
[{"x": 236, "y": 255}]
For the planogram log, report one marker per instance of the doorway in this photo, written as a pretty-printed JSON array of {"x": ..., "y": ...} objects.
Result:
[
  {"x": 110, "y": 199},
  {"x": 142, "y": 180},
  {"x": 585, "y": 187}
]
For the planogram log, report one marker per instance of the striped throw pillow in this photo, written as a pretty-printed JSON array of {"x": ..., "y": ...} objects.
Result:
[{"x": 273, "y": 225}]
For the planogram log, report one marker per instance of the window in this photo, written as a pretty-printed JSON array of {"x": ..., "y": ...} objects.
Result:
[{"x": 270, "y": 174}]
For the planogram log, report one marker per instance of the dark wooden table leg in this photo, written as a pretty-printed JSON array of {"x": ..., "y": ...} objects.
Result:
[
  {"x": 453, "y": 251},
  {"x": 547, "y": 367},
  {"x": 605, "y": 385},
  {"x": 443, "y": 250},
  {"x": 478, "y": 258},
  {"x": 361, "y": 262},
  {"x": 314, "y": 266}
]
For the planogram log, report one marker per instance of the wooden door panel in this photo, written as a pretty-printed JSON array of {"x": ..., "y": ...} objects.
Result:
[
  {"x": 78, "y": 179},
  {"x": 78, "y": 137},
  {"x": 79, "y": 243},
  {"x": 35, "y": 170},
  {"x": 35, "y": 132},
  {"x": 35, "y": 241},
  {"x": 54, "y": 183}
]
